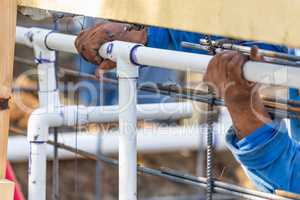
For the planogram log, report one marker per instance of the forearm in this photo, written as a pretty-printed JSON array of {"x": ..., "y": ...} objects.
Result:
[{"x": 248, "y": 114}]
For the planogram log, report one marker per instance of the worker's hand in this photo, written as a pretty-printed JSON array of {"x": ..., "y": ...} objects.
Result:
[
  {"x": 90, "y": 40},
  {"x": 224, "y": 75}
]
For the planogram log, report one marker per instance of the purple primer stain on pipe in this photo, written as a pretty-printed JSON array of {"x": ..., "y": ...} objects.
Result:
[
  {"x": 30, "y": 159},
  {"x": 110, "y": 48},
  {"x": 133, "y": 57},
  {"x": 30, "y": 153}
]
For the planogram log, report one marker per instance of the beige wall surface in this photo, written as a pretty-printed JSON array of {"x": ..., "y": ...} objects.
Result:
[{"x": 266, "y": 20}]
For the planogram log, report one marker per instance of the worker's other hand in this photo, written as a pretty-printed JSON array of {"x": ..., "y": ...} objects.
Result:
[
  {"x": 225, "y": 76},
  {"x": 90, "y": 40}
]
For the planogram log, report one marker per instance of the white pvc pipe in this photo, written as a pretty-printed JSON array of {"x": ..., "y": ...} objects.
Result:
[
  {"x": 172, "y": 59},
  {"x": 39, "y": 123},
  {"x": 38, "y": 129},
  {"x": 253, "y": 71},
  {"x": 42, "y": 119},
  {"x": 63, "y": 42},
  {"x": 165, "y": 111},
  {"x": 154, "y": 140},
  {"x": 127, "y": 74},
  {"x": 22, "y": 36},
  {"x": 53, "y": 40}
]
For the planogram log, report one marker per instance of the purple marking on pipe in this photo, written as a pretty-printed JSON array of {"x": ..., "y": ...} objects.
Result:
[
  {"x": 109, "y": 48},
  {"x": 30, "y": 159},
  {"x": 133, "y": 57},
  {"x": 37, "y": 142},
  {"x": 29, "y": 35},
  {"x": 45, "y": 40},
  {"x": 40, "y": 60},
  {"x": 30, "y": 153}
]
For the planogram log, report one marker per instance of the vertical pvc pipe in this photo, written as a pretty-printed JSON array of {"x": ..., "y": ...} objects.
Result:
[
  {"x": 49, "y": 99},
  {"x": 127, "y": 74},
  {"x": 37, "y": 170}
]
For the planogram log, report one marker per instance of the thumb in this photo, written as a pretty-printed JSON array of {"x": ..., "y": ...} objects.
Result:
[
  {"x": 107, "y": 65},
  {"x": 104, "y": 66}
]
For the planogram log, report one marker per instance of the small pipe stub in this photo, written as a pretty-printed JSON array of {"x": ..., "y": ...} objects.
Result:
[{"x": 4, "y": 104}]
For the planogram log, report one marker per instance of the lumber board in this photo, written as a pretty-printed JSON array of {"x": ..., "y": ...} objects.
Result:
[
  {"x": 265, "y": 20},
  {"x": 7, "y": 189},
  {"x": 8, "y": 12}
]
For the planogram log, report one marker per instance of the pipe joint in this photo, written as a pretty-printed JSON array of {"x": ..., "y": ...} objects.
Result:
[
  {"x": 127, "y": 70},
  {"x": 124, "y": 54},
  {"x": 37, "y": 38},
  {"x": 119, "y": 49},
  {"x": 39, "y": 123}
]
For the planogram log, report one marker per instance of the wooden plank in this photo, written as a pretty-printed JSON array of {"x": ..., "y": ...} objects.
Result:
[
  {"x": 8, "y": 12},
  {"x": 266, "y": 20},
  {"x": 7, "y": 189}
]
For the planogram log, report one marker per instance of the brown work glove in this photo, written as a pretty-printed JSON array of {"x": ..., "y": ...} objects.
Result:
[{"x": 90, "y": 40}]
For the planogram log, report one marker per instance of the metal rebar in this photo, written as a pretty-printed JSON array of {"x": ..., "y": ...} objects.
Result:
[
  {"x": 209, "y": 152},
  {"x": 172, "y": 175},
  {"x": 55, "y": 181},
  {"x": 175, "y": 177}
]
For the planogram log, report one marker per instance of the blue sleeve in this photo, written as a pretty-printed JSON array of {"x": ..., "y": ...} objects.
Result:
[
  {"x": 171, "y": 39},
  {"x": 270, "y": 157},
  {"x": 295, "y": 123}
]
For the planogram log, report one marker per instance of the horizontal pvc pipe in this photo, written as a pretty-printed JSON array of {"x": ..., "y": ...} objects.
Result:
[
  {"x": 53, "y": 40},
  {"x": 253, "y": 71},
  {"x": 63, "y": 42},
  {"x": 23, "y": 35},
  {"x": 172, "y": 59},
  {"x": 147, "y": 111},
  {"x": 67, "y": 115},
  {"x": 166, "y": 139}
]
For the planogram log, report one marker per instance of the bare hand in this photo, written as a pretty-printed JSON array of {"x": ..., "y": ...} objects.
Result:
[{"x": 224, "y": 75}]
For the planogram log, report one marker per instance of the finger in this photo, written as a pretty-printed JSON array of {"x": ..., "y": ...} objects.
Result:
[
  {"x": 107, "y": 65},
  {"x": 211, "y": 68},
  {"x": 254, "y": 54},
  {"x": 227, "y": 54},
  {"x": 91, "y": 56},
  {"x": 225, "y": 59},
  {"x": 235, "y": 68},
  {"x": 99, "y": 73},
  {"x": 223, "y": 72},
  {"x": 239, "y": 67},
  {"x": 85, "y": 36},
  {"x": 232, "y": 70}
]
